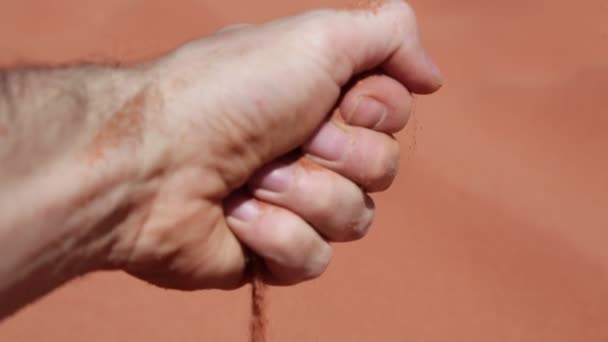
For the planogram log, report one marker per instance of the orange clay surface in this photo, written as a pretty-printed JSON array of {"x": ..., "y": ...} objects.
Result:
[{"x": 496, "y": 229}]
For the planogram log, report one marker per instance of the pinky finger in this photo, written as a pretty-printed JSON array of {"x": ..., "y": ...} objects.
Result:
[{"x": 291, "y": 249}]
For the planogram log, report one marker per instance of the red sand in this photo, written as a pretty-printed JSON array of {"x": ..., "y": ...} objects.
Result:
[
  {"x": 258, "y": 325},
  {"x": 371, "y": 5},
  {"x": 494, "y": 231}
]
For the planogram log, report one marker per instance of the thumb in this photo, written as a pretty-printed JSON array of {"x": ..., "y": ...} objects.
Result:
[
  {"x": 384, "y": 36},
  {"x": 338, "y": 45}
]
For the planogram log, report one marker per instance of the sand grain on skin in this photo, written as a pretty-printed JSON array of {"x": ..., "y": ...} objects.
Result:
[
  {"x": 125, "y": 124},
  {"x": 370, "y": 5}
]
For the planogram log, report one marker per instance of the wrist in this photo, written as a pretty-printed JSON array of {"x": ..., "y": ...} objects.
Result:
[
  {"x": 71, "y": 173},
  {"x": 113, "y": 171}
]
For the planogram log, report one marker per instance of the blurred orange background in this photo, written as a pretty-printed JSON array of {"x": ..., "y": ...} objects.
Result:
[{"x": 496, "y": 229}]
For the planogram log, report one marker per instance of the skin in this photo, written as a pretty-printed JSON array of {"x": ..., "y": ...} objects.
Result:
[{"x": 258, "y": 140}]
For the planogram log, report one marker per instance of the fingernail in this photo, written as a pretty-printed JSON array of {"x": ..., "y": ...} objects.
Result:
[
  {"x": 369, "y": 112},
  {"x": 277, "y": 180},
  {"x": 330, "y": 142},
  {"x": 245, "y": 211}
]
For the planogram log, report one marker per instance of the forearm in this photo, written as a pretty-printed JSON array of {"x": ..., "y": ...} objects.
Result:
[{"x": 61, "y": 179}]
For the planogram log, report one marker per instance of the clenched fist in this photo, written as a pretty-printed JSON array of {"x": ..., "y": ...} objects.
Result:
[{"x": 258, "y": 140}]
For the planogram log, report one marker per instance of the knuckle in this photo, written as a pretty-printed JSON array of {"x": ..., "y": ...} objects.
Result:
[
  {"x": 408, "y": 11},
  {"x": 359, "y": 226},
  {"x": 311, "y": 267},
  {"x": 408, "y": 22},
  {"x": 295, "y": 248},
  {"x": 384, "y": 170},
  {"x": 321, "y": 32},
  {"x": 317, "y": 262},
  {"x": 334, "y": 205},
  {"x": 312, "y": 28},
  {"x": 408, "y": 14}
]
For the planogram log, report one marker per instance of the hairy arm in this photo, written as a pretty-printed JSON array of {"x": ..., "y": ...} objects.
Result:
[{"x": 61, "y": 184}]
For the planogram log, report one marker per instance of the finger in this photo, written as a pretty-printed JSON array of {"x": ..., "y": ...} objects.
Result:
[
  {"x": 377, "y": 102},
  {"x": 336, "y": 207},
  {"x": 368, "y": 158},
  {"x": 291, "y": 249},
  {"x": 351, "y": 42}
]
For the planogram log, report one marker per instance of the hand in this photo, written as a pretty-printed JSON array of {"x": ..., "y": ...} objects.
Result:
[{"x": 239, "y": 153}]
